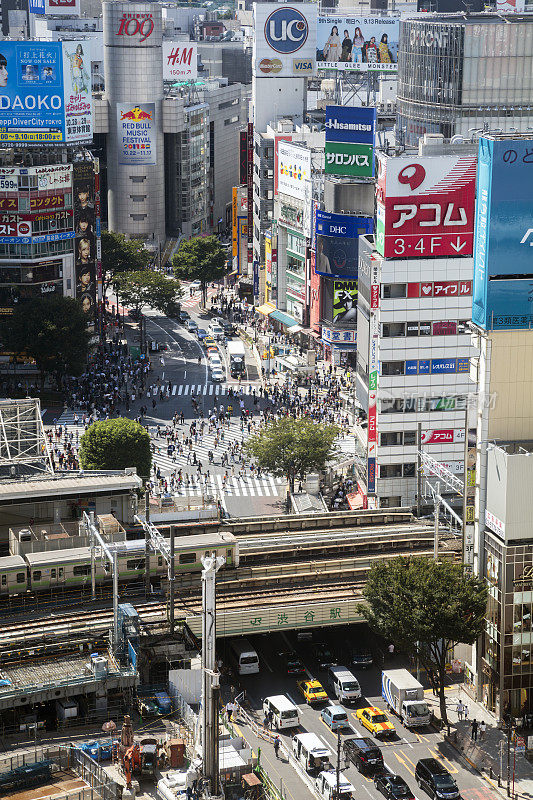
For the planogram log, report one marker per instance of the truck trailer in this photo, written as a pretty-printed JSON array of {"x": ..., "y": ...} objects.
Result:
[
  {"x": 404, "y": 696},
  {"x": 236, "y": 354}
]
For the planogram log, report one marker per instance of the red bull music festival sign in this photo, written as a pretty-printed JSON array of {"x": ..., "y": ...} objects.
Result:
[{"x": 136, "y": 133}]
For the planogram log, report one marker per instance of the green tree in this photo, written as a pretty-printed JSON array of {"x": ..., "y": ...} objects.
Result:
[
  {"x": 201, "y": 259},
  {"x": 116, "y": 444},
  {"x": 146, "y": 288},
  {"x": 51, "y": 330},
  {"x": 122, "y": 255},
  {"x": 425, "y": 607},
  {"x": 293, "y": 448}
]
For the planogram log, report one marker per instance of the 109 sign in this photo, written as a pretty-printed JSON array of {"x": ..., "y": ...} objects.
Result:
[
  {"x": 133, "y": 24},
  {"x": 286, "y": 30}
]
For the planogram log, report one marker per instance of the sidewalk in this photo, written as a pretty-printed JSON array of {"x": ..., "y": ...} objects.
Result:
[{"x": 488, "y": 756}]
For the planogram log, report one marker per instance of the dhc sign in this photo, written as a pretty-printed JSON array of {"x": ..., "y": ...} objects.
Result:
[{"x": 286, "y": 30}]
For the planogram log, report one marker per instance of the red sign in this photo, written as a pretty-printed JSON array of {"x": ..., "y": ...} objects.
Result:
[
  {"x": 426, "y": 206},
  {"x": 8, "y": 203},
  {"x": 374, "y": 295},
  {"x": 314, "y": 305},
  {"x": 446, "y": 436},
  {"x": 250, "y": 187},
  {"x": 439, "y": 289},
  {"x": 133, "y": 24},
  {"x": 46, "y": 202},
  {"x": 447, "y": 328}
]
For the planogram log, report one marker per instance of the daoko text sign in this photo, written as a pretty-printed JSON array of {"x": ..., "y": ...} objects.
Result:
[{"x": 425, "y": 206}]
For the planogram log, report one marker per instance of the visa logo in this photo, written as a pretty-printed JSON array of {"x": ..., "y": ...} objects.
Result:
[{"x": 303, "y": 65}]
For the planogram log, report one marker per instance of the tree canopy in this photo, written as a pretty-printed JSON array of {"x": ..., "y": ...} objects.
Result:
[
  {"x": 200, "y": 259},
  {"x": 52, "y": 331},
  {"x": 425, "y": 607},
  {"x": 122, "y": 255},
  {"x": 293, "y": 447},
  {"x": 116, "y": 444},
  {"x": 146, "y": 288}
]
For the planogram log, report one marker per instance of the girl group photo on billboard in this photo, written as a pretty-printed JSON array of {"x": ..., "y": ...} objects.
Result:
[
  {"x": 85, "y": 237},
  {"x": 347, "y": 41}
]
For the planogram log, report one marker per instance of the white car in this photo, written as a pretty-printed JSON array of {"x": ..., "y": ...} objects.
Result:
[
  {"x": 191, "y": 325},
  {"x": 215, "y": 363},
  {"x": 217, "y": 375},
  {"x": 195, "y": 286}
]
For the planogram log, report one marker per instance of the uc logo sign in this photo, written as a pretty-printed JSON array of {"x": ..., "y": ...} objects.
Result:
[{"x": 286, "y": 30}]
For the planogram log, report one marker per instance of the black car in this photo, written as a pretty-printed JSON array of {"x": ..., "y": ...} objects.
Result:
[
  {"x": 293, "y": 665},
  {"x": 434, "y": 778},
  {"x": 183, "y": 316},
  {"x": 393, "y": 786},
  {"x": 324, "y": 655},
  {"x": 228, "y": 328},
  {"x": 363, "y": 754},
  {"x": 362, "y": 658}
]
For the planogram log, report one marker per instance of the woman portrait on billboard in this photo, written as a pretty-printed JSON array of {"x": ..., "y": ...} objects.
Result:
[
  {"x": 346, "y": 52},
  {"x": 332, "y": 48},
  {"x": 78, "y": 74},
  {"x": 385, "y": 55},
  {"x": 3, "y": 71},
  {"x": 358, "y": 44},
  {"x": 370, "y": 51}
]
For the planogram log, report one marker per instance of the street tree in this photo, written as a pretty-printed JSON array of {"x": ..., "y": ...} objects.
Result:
[
  {"x": 122, "y": 255},
  {"x": 425, "y": 608},
  {"x": 116, "y": 444},
  {"x": 145, "y": 288},
  {"x": 52, "y": 331},
  {"x": 293, "y": 448},
  {"x": 200, "y": 259}
]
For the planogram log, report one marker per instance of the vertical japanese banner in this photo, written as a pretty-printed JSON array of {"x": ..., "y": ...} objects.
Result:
[
  {"x": 250, "y": 186},
  {"x": 373, "y": 370},
  {"x": 85, "y": 229},
  {"x": 234, "y": 239},
  {"x": 98, "y": 233},
  {"x": 469, "y": 500}
]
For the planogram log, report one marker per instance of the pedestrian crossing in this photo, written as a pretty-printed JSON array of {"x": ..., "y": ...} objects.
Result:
[
  {"x": 266, "y": 486},
  {"x": 209, "y": 389}
]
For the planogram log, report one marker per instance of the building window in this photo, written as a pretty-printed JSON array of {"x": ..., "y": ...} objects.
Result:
[
  {"x": 425, "y": 329},
  {"x": 412, "y": 328},
  {"x": 390, "y": 471},
  {"x": 137, "y": 178},
  {"x": 231, "y": 120},
  {"x": 137, "y": 198},
  {"x": 392, "y": 291},
  {"x": 392, "y": 329},
  {"x": 391, "y": 438},
  {"x": 409, "y": 437},
  {"x": 138, "y": 217},
  {"x": 228, "y": 103},
  {"x": 409, "y": 469},
  {"x": 394, "y": 501},
  {"x": 391, "y": 368}
]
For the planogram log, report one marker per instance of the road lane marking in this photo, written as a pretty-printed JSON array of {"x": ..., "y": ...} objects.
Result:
[
  {"x": 400, "y": 759},
  {"x": 174, "y": 389}
]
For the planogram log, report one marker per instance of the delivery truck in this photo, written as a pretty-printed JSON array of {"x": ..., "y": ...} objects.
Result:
[
  {"x": 404, "y": 696},
  {"x": 237, "y": 365}
]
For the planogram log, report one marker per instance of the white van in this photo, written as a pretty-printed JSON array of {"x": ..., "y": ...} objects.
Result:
[
  {"x": 244, "y": 657},
  {"x": 345, "y": 684},
  {"x": 326, "y": 785},
  {"x": 310, "y": 752},
  {"x": 284, "y": 713},
  {"x": 216, "y": 330}
]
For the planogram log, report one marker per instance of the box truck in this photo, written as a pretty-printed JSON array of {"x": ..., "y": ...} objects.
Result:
[
  {"x": 404, "y": 696},
  {"x": 236, "y": 352}
]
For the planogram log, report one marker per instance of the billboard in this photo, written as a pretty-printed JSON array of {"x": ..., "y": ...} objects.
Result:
[
  {"x": 46, "y": 92},
  {"x": 85, "y": 232},
  {"x": 294, "y": 170},
  {"x": 358, "y": 44},
  {"x": 345, "y": 301},
  {"x": 425, "y": 206},
  {"x": 443, "y": 436},
  {"x": 350, "y": 124},
  {"x": 180, "y": 61},
  {"x": 337, "y": 242},
  {"x": 503, "y": 289},
  {"x": 136, "y": 133},
  {"x": 285, "y": 40},
  {"x": 36, "y": 6},
  {"x": 343, "y": 158}
]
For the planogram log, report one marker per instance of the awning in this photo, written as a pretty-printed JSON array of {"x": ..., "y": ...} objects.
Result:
[
  {"x": 265, "y": 309},
  {"x": 295, "y": 329},
  {"x": 280, "y": 316},
  {"x": 343, "y": 345}
]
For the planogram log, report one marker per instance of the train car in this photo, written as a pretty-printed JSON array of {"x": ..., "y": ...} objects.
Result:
[
  {"x": 13, "y": 576},
  {"x": 68, "y": 568}
]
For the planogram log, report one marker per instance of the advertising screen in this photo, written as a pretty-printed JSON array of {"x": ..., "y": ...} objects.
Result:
[
  {"x": 137, "y": 133},
  {"x": 425, "y": 206},
  {"x": 294, "y": 170},
  {"x": 285, "y": 40},
  {"x": 357, "y": 43},
  {"x": 337, "y": 240},
  {"x": 345, "y": 301},
  {"x": 179, "y": 61},
  {"x": 46, "y": 92}
]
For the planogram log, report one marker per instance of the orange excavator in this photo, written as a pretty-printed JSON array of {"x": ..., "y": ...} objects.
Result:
[{"x": 138, "y": 757}]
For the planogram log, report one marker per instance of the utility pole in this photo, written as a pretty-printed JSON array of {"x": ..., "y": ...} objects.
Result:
[
  {"x": 338, "y": 763},
  {"x": 437, "y": 515},
  {"x": 419, "y": 471},
  {"x": 171, "y": 579},
  {"x": 147, "y": 541},
  {"x": 210, "y": 677}
]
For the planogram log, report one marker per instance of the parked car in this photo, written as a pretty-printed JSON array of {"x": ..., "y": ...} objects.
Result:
[
  {"x": 393, "y": 787},
  {"x": 191, "y": 325},
  {"x": 374, "y": 720},
  {"x": 335, "y": 717},
  {"x": 362, "y": 658},
  {"x": 434, "y": 778},
  {"x": 323, "y": 655},
  {"x": 363, "y": 754}
]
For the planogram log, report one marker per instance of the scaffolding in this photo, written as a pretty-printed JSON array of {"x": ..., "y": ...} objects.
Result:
[{"x": 23, "y": 444}]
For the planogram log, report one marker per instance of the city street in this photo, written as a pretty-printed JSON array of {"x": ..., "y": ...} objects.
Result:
[{"x": 400, "y": 754}]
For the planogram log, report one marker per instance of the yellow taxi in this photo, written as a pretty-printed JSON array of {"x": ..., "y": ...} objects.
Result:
[
  {"x": 209, "y": 342},
  {"x": 312, "y": 691},
  {"x": 375, "y": 721}
]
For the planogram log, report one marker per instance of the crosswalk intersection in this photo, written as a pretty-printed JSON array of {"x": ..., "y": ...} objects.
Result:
[{"x": 198, "y": 389}]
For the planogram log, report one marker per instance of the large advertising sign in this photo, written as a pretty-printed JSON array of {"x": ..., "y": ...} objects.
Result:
[
  {"x": 357, "y": 43},
  {"x": 504, "y": 234},
  {"x": 63, "y": 7},
  {"x": 373, "y": 377},
  {"x": 180, "y": 61},
  {"x": 85, "y": 231},
  {"x": 337, "y": 242},
  {"x": 285, "y": 40},
  {"x": 137, "y": 133},
  {"x": 36, "y": 6},
  {"x": 425, "y": 206},
  {"x": 350, "y": 141},
  {"x": 345, "y": 301},
  {"x": 294, "y": 170},
  {"x": 45, "y": 92}
]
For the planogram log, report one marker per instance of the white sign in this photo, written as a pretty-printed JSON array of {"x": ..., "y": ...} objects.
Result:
[
  {"x": 360, "y": 44},
  {"x": 51, "y": 177},
  {"x": 285, "y": 39},
  {"x": 294, "y": 170},
  {"x": 495, "y": 524},
  {"x": 78, "y": 91},
  {"x": 510, "y": 5},
  {"x": 180, "y": 61}
]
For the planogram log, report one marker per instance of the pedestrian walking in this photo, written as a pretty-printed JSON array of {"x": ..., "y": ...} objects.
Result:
[
  {"x": 482, "y": 729},
  {"x": 391, "y": 650},
  {"x": 460, "y": 710},
  {"x": 465, "y": 710},
  {"x": 277, "y": 745},
  {"x": 474, "y": 725}
]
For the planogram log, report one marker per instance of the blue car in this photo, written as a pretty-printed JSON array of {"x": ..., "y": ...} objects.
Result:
[
  {"x": 201, "y": 334},
  {"x": 335, "y": 717}
]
